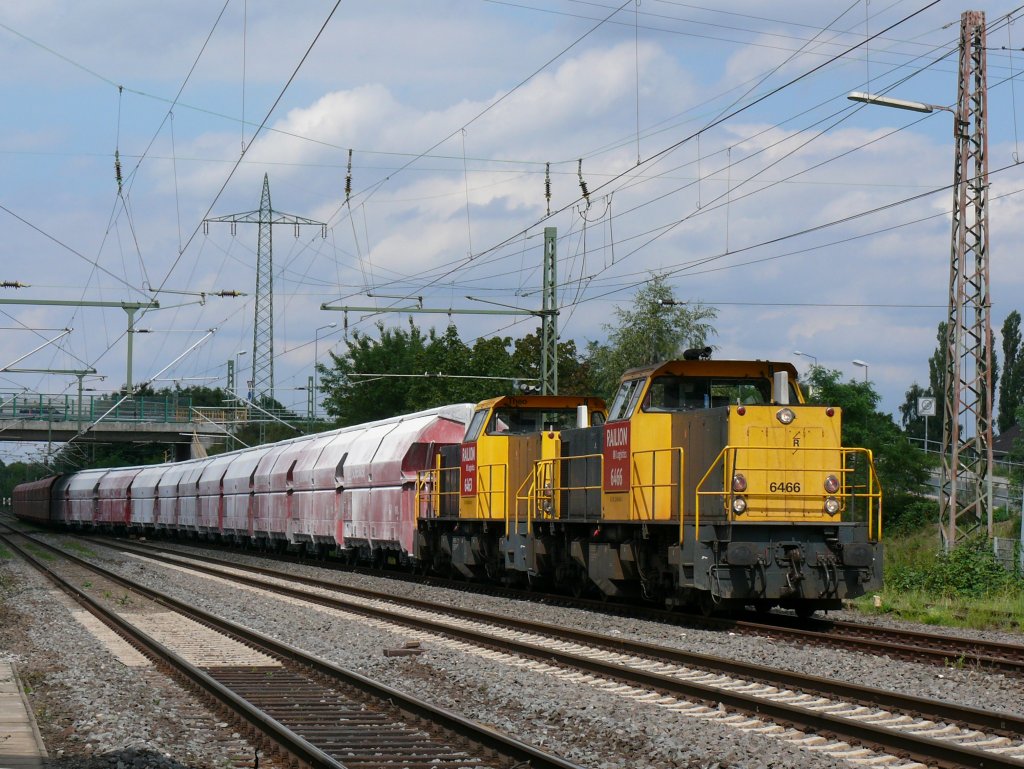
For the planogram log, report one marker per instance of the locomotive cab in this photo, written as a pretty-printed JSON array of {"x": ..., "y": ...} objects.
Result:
[
  {"x": 472, "y": 506},
  {"x": 714, "y": 483}
]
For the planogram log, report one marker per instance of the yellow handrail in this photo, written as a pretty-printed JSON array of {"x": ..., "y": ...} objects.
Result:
[
  {"x": 637, "y": 484},
  {"x": 871, "y": 491}
]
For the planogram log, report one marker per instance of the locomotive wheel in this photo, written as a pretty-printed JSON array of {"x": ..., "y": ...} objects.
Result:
[
  {"x": 706, "y": 604},
  {"x": 578, "y": 583}
]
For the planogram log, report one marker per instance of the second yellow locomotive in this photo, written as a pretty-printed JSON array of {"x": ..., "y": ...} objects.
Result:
[{"x": 708, "y": 483}]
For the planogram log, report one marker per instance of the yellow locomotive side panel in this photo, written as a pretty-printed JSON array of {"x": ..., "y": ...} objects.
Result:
[
  {"x": 653, "y": 477},
  {"x": 508, "y": 439},
  {"x": 785, "y": 466}
]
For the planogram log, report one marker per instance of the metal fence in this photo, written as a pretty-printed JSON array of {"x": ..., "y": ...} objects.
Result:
[{"x": 69, "y": 408}]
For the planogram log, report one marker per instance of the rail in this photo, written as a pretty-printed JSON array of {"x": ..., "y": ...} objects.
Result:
[{"x": 858, "y": 483}]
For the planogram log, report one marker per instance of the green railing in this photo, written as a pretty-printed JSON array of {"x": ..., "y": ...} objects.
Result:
[{"x": 68, "y": 408}]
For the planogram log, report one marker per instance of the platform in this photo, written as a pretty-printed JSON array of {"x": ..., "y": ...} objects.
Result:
[{"x": 21, "y": 747}]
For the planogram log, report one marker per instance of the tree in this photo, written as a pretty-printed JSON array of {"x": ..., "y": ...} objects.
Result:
[
  {"x": 914, "y": 424},
  {"x": 937, "y": 367},
  {"x": 901, "y": 466},
  {"x": 573, "y": 374},
  {"x": 412, "y": 371},
  {"x": 655, "y": 328},
  {"x": 1011, "y": 386},
  {"x": 352, "y": 399}
]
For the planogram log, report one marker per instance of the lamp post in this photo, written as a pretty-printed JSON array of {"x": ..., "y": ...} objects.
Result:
[
  {"x": 965, "y": 493},
  {"x": 863, "y": 365},
  {"x": 888, "y": 101},
  {"x": 814, "y": 358},
  {"x": 316, "y": 358}
]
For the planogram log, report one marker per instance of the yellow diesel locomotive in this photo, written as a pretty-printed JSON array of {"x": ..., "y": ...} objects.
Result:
[{"x": 706, "y": 483}]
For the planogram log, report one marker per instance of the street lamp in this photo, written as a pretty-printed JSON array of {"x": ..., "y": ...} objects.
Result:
[
  {"x": 863, "y": 365},
  {"x": 814, "y": 358},
  {"x": 316, "y": 358},
  {"x": 888, "y": 101}
]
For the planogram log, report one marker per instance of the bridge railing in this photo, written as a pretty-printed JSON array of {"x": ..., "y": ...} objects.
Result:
[{"x": 65, "y": 408}]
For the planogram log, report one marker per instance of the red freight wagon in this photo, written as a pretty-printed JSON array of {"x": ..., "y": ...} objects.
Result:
[
  {"x": 268, "y": 522},
  {"x": 145, "y": 499},
  {"x": 302, "y": 523},
  {"x": 114, "y": 494},
  {"x": 167, "y": 494},
  {"x": 82, "y": 496},
  {"x": 239, "y": 488},
  {"x": 210, "y": 488},
  {"x": 32, "y": 501}
]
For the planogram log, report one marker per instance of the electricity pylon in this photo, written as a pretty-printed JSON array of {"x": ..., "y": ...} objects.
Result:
[
  {"x": 262, "y": 384},
  {"x": 965, "y": 495}
]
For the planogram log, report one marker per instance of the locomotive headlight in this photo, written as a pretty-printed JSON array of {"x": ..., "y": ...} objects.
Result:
[
  {"x": 739, "y": 483},
  {"x": 831, "y": 505},
  {"x": 786, "y": 416},
  {"x": 739, "y": 505},
  {"x": 831, "y": 484}
]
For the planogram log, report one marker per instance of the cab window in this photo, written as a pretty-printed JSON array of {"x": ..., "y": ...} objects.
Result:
[
  {"x": 680, "y": 393},
  {"x": 476, "y": 424},
  {"x": 522, "y": 421},
  {"x": 625, "y": 399}
]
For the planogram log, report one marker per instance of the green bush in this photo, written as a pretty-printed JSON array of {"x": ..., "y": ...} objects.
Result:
[
  {"x": 914, "y": 514},
  {"x": 970, "y": 571}
]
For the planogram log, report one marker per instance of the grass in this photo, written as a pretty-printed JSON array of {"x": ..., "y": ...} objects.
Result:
[
  {"x": 967, "y": 588},
  {"x": 1004, "y": 612},
  {"x": 40, "y": 553},
  {"x": 78, "y": 547}
]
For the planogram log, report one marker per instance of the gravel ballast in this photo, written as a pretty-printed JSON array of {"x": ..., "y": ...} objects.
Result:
[{"x": 113, "y": 708}]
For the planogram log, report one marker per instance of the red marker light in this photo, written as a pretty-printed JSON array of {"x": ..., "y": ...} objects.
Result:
[
  {"x": 741, "y": 410},
  {"x": 830, "y": 412}
]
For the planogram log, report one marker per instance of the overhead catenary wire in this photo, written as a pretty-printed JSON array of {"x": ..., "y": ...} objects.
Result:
[{"x": 524, "y": 236}]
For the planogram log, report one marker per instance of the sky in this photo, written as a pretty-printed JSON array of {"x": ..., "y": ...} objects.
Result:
[{"x": 715, "y": 143}]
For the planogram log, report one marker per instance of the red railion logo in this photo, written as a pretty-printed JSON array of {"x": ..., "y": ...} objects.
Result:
[
  {"x": 467, "y": 464},
  {"x": 616, "y": 456}
]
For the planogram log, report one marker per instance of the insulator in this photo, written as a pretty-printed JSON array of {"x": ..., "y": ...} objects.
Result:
[
  {"x": 117, "y": 170},
  {"x": 348, "y": 178},
  {"x": 547, "y": 185},
  {"x": 583, "y": 184}
]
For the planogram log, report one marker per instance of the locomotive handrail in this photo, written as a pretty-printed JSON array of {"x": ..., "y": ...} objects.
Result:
[
  {"x": 654, "y": 485},
  {"x": 530, "y": 496},
  {"x": 487, "y": 492},
  {"x": 870, "y": 491}
]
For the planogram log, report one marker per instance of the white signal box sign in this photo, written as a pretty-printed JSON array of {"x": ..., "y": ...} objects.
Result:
[{"x": 926, "y": 407}]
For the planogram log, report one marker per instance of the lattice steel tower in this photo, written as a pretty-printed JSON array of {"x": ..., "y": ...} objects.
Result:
[
  {"x": 965, "y": 496},
  {"x": 263, "y": 325}
]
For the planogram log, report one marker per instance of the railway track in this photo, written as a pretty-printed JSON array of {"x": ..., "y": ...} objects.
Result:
[
  {"x": 315, "y": 712},
  {"x": 843, "y": 720},
  {"x": 928, "y": 648}
]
